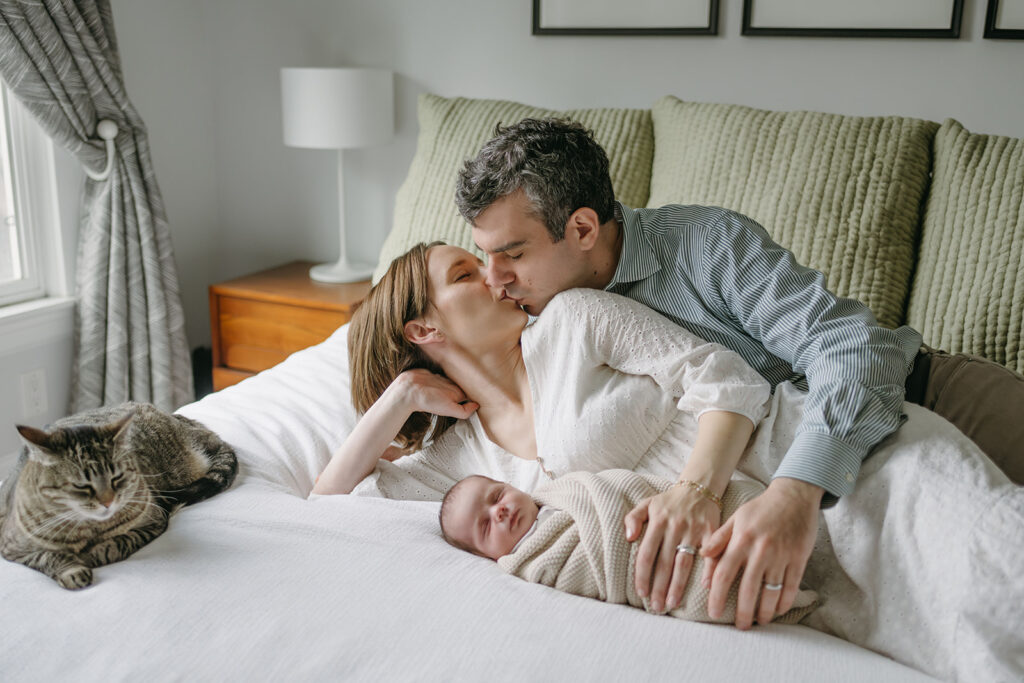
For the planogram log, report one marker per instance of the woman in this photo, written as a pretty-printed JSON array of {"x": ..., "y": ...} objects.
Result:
[
  {"x": 922, "y": 562},
  {"x": 571, "y": 392}
]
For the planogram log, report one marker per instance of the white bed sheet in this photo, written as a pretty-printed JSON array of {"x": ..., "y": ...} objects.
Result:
[{"x": 258, "y": 583}]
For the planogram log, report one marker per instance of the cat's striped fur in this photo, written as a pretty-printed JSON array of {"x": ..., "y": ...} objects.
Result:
[{"x": 97, "y": 486}]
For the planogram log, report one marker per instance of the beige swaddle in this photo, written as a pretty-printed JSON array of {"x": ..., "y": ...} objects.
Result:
[{"x": 582, "y": 547}]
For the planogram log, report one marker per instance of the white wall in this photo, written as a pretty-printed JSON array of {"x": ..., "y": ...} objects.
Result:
[
  {"x": 169, "y": 69},
  {"x": 204, "y": 75}
]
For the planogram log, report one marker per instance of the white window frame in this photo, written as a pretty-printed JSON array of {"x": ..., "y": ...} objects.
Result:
[{"x": 36, "y": 205}]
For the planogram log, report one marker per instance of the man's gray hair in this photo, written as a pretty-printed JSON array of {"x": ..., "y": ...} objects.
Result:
[{"x": 555, "y": 162}]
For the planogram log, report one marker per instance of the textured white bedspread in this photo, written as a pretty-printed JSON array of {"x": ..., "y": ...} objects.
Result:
[{"x": 258, "y": 584}]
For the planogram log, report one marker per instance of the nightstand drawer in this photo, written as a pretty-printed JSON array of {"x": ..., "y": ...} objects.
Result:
[
  {"x": 258, "y": 320},
  {"x": 255, "y": 335}
]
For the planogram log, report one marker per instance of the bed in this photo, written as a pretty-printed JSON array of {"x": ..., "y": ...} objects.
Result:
[{"x": 259, "y": 583}]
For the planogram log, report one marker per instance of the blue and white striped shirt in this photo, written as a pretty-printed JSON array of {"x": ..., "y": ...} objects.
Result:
[{"x": 718, "y": 274}]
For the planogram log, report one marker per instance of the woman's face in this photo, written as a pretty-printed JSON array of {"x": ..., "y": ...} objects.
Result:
[{"x": 463, "y": 307}]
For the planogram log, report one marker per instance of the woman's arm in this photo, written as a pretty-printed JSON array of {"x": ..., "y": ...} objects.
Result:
[
  {"x": 685, "y": 514},
  {"x": 412, "y": 391},
  {"x": 721, "y": 439},
  {"x": 710, "y": 380}
]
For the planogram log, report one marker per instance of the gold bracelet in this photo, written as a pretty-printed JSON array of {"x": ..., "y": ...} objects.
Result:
[{"x": 702, "y": 490}]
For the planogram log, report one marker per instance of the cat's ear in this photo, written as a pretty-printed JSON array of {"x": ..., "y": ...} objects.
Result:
[
  {"x": 40, "y": 445},
  {"x": 117, "y": 429}
]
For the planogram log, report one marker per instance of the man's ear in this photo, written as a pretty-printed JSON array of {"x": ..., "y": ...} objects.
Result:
[
  {"x": 583, "y": 227},
  {"x": 39, "y": 446},
  {"x": 419, "y": 333}
]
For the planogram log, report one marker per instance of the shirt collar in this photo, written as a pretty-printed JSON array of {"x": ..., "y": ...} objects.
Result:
[{"x": 637, "y": 260}]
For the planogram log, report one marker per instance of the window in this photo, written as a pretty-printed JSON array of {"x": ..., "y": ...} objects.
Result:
[{"x": 30, "y": 249}]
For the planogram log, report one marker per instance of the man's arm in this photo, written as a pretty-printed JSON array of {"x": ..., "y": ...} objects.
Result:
[
  {"x": 855, "y": 371},
  {"x": 855, "y": 368}
]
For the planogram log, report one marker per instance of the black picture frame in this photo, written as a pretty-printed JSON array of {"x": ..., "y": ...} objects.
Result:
[
  {"x": 999, "y": 33},
  {"x": 710, "y": 30},
  {"x": 952, "y": 32}
]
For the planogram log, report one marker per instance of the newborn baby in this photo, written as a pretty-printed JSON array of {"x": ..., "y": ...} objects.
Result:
[{"x": 570, "y": 536}]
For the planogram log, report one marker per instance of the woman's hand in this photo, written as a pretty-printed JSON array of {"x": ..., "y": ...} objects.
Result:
[
  {"x": 370, "y": 440},
  {"x": 424, "y": 391},
  {"x": 679, "y": 516}
]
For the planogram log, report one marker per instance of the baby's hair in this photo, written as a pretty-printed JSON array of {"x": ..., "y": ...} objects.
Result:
[{"x": 442, "y": 516}]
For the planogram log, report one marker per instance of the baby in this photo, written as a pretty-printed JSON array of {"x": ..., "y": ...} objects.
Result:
[
  {"x": 487, "y": 517},
  {"x": 569, "y": 535}
]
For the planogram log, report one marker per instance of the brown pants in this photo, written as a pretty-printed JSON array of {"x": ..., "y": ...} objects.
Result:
[{"x": 983, "y": 399}]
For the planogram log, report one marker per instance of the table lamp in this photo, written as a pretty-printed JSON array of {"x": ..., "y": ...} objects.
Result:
[{"x": 338, "y": 109}]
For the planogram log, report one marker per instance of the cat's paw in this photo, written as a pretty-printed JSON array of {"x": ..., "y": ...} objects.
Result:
[{"x": 74, "y": 578}]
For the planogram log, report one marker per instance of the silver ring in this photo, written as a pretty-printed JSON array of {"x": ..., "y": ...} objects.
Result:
[
  {"x": 688, "y": 549},
  {"x": 772, "y": 586}
]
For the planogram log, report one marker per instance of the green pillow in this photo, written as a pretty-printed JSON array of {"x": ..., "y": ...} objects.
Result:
[
  {"x": 969, "y": 287},
  {"x": 453, "y": 130},
  {"x": 842, "y": 192}
]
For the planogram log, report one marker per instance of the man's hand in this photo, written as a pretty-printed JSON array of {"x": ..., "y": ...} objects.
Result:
[
  {"x": 677, "y": 516},
  {"x": 770, "y": 538}
]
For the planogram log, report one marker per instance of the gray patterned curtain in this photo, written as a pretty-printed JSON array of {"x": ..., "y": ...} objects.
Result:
[{"x": 59, "y": 58}]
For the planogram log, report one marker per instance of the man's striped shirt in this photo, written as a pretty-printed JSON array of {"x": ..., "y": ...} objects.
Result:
[{"x": 718, "y": 274}]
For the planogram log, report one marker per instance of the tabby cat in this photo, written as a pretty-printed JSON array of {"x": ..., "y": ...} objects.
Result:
[{"x": 97, "y": 486}]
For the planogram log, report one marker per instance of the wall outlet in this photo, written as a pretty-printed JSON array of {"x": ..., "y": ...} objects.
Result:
[{"x": 33, "y": 393}]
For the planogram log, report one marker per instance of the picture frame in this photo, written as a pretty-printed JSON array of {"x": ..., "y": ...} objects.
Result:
[
  {"x": 1007, "y": 24},
  {"x": 616, "y": 18},
  {"x": 861, "y": 19}
]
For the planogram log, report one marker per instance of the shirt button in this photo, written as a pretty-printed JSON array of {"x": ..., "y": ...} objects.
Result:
[{"x": 849, "y": 477}]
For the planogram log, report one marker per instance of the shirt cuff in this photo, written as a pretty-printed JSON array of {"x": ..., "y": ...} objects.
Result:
[{"x": 822, "y": 460}]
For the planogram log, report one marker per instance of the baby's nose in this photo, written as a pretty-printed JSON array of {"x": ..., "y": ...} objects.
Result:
[{"x": 500, "y": 512}]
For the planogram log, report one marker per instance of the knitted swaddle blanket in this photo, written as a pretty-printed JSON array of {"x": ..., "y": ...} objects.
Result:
[{"x": 582, "y": 547}]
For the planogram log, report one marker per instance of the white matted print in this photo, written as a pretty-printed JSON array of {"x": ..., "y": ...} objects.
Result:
[
  {"x": 615, "y": 17},
  {"x": 1005, "y": 19},
  {"x": 867, "y": 18}
]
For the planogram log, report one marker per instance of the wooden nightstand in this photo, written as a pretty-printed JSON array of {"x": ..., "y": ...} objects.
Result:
[{"x": 258, "y": 320}]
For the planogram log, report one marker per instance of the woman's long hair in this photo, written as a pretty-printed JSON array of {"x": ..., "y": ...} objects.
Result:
[{"x": 378, "y": 350}]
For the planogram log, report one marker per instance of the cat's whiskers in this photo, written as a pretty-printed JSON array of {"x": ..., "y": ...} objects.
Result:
[{"x": 56, "y": 525}]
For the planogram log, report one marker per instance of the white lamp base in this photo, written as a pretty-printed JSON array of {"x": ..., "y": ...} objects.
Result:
[{"x": 342, "y": 271}]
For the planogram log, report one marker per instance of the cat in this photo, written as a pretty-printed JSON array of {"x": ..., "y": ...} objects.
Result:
[{"x": 97, "y": 486}]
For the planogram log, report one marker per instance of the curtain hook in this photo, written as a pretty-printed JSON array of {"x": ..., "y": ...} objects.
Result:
[{"x": 107, "y": 130}]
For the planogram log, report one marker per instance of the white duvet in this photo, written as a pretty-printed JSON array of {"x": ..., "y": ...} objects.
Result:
[{"x": 260, "y": 584}]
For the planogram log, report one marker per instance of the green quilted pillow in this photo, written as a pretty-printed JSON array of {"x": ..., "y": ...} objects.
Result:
[
  {"x": 969, "y": 287},
  {"x": 842, "y": 192},
  {"x": 453, "y": 130}
]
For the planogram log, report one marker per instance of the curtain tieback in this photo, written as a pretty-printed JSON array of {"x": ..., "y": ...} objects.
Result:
[{"x": 107, "y": 130}]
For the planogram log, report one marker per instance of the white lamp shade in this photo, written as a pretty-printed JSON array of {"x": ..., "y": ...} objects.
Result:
[{"x": 337, "y": 108}]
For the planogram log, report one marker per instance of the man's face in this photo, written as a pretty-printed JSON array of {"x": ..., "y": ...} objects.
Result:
[
  {"x": 490, "y": 516},
  {"x": 523, "y": 262}
]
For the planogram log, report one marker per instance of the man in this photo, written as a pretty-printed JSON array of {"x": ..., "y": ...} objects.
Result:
[{"x": 540, "y": 202}]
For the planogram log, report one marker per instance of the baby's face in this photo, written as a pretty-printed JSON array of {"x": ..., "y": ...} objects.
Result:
[{"x": 490, "y": 516}]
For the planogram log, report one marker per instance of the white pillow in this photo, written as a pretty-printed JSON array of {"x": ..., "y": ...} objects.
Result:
[{"x": 286, "y": 422}]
